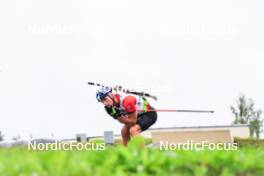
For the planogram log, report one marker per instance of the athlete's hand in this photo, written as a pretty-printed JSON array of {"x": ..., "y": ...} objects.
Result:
[
  {"x": 124, "y": 116},
  {"x": 123, "y": 119}
]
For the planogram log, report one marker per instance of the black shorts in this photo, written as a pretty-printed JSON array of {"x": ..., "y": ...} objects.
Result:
[{"x": 145, "y": 120}]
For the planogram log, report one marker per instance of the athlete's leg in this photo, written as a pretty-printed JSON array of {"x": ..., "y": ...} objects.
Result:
[
  {"x": 125, "y": 135},
  {"x": 146, "y": 120},
  {"x": 134, "y": 130}
]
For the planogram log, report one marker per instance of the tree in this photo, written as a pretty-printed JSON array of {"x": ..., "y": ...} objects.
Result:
[
  {"x": 256, "y": 124},
  {"x": 1, "y": 136},
  {"x": 245, "y": 113},
  {"x": 16, "y": 138}
]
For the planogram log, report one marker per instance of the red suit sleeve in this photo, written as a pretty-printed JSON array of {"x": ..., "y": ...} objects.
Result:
[{"x": 129, "y": 103}]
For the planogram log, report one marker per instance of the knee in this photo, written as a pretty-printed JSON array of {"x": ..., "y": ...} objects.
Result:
[{"x": 133, "y": 130}]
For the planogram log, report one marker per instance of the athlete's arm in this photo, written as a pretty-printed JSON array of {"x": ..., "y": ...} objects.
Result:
[
  {"x": 129, "y": 104},
  {"x": 129, "y": 119},
  {"x": 132, "y": 118}
]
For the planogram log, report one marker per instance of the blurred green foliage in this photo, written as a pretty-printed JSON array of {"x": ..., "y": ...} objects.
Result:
[{"x": 135, "y": 159}]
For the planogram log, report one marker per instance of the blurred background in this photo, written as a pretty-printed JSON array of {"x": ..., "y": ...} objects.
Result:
[{"x": 191, "y": 54}]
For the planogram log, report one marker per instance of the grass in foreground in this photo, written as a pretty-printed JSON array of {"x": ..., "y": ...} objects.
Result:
[{"x": 132, "y": 160}]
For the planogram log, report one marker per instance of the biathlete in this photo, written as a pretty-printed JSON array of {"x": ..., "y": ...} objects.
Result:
[{"x": 134, "y": 112}]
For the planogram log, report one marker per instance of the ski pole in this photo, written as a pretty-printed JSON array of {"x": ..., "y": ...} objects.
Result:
[{"x": 174, "y": 110}]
